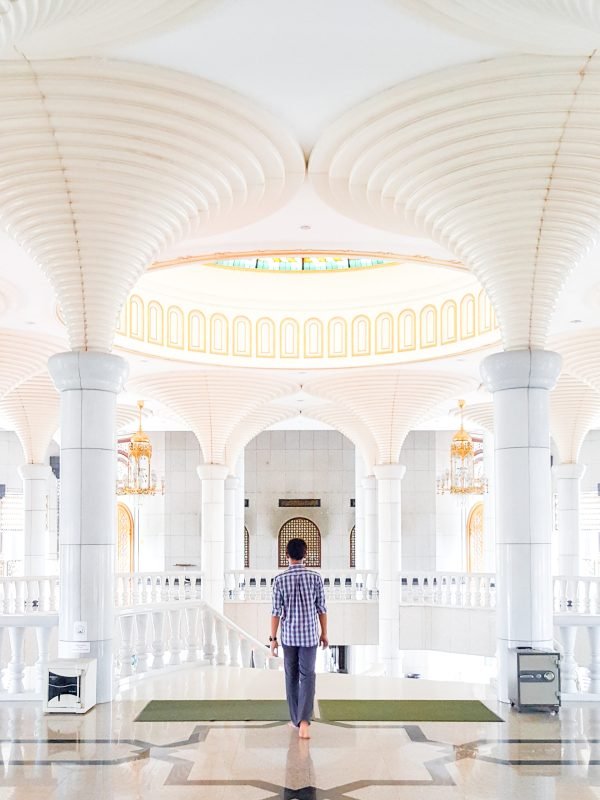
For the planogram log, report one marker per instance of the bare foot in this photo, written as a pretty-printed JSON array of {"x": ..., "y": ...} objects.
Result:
[
  {"x": 291, "y": 724},
  {"x": 304, "y": 732}
]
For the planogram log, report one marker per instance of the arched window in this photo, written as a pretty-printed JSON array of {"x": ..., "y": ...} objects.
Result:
[
  {"x": 353, "y": 547},
  {"x": 301, "y": 528},
  {"x": 246, "y": 548}
]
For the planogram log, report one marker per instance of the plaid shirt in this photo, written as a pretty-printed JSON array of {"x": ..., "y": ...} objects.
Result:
[{"x": 298, "y": 596}]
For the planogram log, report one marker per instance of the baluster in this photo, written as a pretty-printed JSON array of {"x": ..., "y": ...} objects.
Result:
[
  {"x": 176, "y": 588},
  {"x": 166, "y": 590},
  {"x": 260, "y": 657},
  {"x": 221, "y": 637},
  {"x": 586, "y": 585},
  {"x": 16, "y": 666},
  {"x": 42, "y": 637},
  {"x": 137, "y": 588},
  {"x": 198, "y": 587},
  {"x": 208, "y": 646},
  {"x": 233, "y": 640},
  {"x": 126, "y": 648},
  {"x": 158, "y": 646},
  {"x": 141, "y": 643},
  {"x": 175, "y": 640},
  {"x": 246, "y": 650},
  {"x": 594, "y": 637},
  {"x": 569, "y": 664},
  {"x": 54, "y": 594},
  {"x": 19, "y": 597},
  {"x": 191, "y": 615},
  {"x": 32, "y": 603},
  {"x": 43, "y": 594},
  {"x": 4, "y": 596}
]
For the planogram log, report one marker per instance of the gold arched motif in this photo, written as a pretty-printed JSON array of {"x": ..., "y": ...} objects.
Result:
[
  {"x": 156, "y": 323},
  {"x": 407, "y": 330},
  {"x": 428, "y": 326},
  {"x": 242, "y": 336},
  {"x": 289, "y": 338},
  {"x": 474, "y": 533},
  {"x": 300, "y": 528},
  {"x": 313, "y": 338},
  {"x": 384, "y": 333},
  {"x": 337, "y": 338},
  {"x": 125, "y": 533},
  {"x": 449, "y": 322},
  {"x": 197, "y": 331},
  {"x": 219, "y": 335},
  {"x": 122, "y": 325},
  {"x": 468, "y": 327},
  {"x": 485, "y": 315},
  {"x": 265, "y": 338},
  {"x": 361, "y": 336},
  {"x": 175, "y": 328},
  {"x": 136, "y": 317}
]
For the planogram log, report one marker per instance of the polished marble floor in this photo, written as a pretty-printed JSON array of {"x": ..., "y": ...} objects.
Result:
[{"x": 105, "y": 754}]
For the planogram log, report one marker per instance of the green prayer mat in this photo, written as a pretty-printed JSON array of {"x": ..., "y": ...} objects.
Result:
[
  {"x": 406, "y": 711},
  {"x": 214, "y": 711}
]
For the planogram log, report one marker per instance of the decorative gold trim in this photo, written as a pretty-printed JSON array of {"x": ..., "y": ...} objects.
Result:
[
  {"x": 296, "y": 326},
  {"x": 272, "y": 353},
  {"x": 330, "y": 324},
  {"x": 423, "y": 343},
  {"x": 379, "y": 350},
  {"x": 321, "y": 334},
  {"x": 235, "y": 348},
  {"x": 411, "y": 314},
  {"x": 202, "y": 322},
  {"x": 218, "y": 317},
  {"x": 177, "y": 310},
  {"x": 354, "y": 328}
]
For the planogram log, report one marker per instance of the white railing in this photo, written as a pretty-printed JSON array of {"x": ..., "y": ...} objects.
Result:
[
  {"x": 36, "y": 594},
  {"x": 142, "y": 588},
  {"x": 462, "y": 589},
  {"x": 577, "y": 595},
  {"x": 579, "y": 636},
  {"x": 343, "y": 584},
  {"x": 25, "y": 647},
  {"x": 187, "y": 631}
]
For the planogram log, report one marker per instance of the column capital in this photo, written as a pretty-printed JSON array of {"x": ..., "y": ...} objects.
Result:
[
  {"x": 369, "y": 482},
  {"x": 389, "y": 472},
  {"x": 521, "y": 369},
  {"x": 570, "y": 472},
  {"x": 40, "y": 472},
  {"x": 212, "y": 472},
  {"x": 80, "y": 369},
  {"x": 231, "y": 482}
]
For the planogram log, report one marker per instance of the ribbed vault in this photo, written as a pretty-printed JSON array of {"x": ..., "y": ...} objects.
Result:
[
  {"x": 251, "y": 426},
  {"x": 533, "y": 26},
  {"x": 22, "y": 356},
  {"x": 33, "y": 410},
  {"x": 105, "y": 163},
  {"x": 481, "y": 414},
  {"x": 498, "y": 161},
  {"x": 574, "y": 410},
  {"x": 216, "y": 405},
  {"x": 348, "y": 423},
  {"x": 41, "y": 28},
  {"x": 389, "y": 403},
  {"x": 581, "y": 355}
]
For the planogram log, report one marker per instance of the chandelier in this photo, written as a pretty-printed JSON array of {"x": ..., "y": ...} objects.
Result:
[
  {"x": 463, "y": 477},
  {"x": 140, "y": 479}
]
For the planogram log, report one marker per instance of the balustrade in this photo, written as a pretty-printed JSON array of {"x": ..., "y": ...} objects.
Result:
[
  {"x": 579, "y": 638},
  {"x": 462, "y": 589},
  {"x": 255, "y": 585},
  {"x": 27, "y": 641},
  {"x": 143, "y": 588},
  {"x": 35, "y": 594}
]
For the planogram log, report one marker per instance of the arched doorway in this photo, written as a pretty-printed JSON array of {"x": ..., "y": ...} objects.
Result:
[
  {"x": 475, "y": 559},
  {"x": 301, "y": 528},
  {"x": 125, "y": 529}
]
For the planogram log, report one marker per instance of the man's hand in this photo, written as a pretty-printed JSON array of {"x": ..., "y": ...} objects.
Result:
[
  {"x": 324, "y": 641},
  {"x": 274, "y": 648}
]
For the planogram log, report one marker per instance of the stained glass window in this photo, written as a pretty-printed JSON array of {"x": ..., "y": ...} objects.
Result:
[{"x": 301, "y": 528}]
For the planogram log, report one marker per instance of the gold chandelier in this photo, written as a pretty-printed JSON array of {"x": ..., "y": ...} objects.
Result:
[
  {"x": 461, "y": 479},
  {"x": 140, "y": 479}
]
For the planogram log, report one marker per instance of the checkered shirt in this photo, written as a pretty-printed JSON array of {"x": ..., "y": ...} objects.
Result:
[{"x": 298, "y": 596}]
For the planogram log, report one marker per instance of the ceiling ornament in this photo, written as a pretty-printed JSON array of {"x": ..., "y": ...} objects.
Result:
[
  {"x": 33, "y": 409},
  {"x": 497, "y": 161},
  {"x": 465, "y": 476},
  {"x": 216, "y": 405},
  {"x": 574, "y": 411},
  {"x": 105, "y": 164},
  {"x": 389, "y": 403},
  {"x": 139, "y": 479},
  {"x": 43, "y": 28},
  {"x": 531, "y": 26}
]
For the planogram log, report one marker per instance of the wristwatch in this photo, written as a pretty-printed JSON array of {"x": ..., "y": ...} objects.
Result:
[{"x": 272, "y": 638}]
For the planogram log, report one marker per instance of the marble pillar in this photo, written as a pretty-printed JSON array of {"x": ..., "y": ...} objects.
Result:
[
  {"x": 231, "y": 486},
  {"x": 369, "y": 494},
  {"x": 359, "y": 511},
  {"x": 567, "y": 506},
  {"x": 520, "y": 381},
  {"x": 240, "y": 513},
  {"x": 35, "y": 479},
  {"x": 88, "y": 383},
  {"x": 213, "y": 533},
  {"x": 389, "y": 513}
]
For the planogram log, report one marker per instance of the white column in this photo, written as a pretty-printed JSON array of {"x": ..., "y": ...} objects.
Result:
[
  {"x": 240, "y": 513},
  {"x": 359, "y": 511},
  {"x": 35, "y": 517},
  {"x": 89, "y": 383},
  {"x": 369, "y": 487},
  {"x": 389, "y": 501},
  {"x": 521, "y": 381},
  {"x": 213, "y": 533},
  {"x": 231, "y": 486},
  {"x": 567, "y": 497}
]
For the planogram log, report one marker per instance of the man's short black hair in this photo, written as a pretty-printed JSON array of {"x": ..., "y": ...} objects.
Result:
[{"x": 296, "y": 549}]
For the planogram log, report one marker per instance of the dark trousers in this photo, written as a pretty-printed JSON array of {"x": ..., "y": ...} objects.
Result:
[{"x": 299, "y": 666}]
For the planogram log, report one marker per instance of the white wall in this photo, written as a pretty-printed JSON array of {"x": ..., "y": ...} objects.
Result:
[
  {"x": 299, "y": 464},
  {"x": 418, "y": 454}
]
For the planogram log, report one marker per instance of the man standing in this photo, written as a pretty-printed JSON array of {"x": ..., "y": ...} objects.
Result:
[{"x": 298, "y": 599}]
